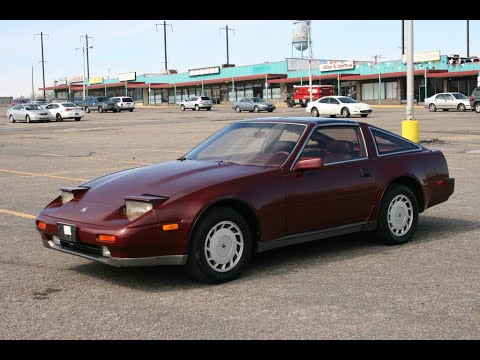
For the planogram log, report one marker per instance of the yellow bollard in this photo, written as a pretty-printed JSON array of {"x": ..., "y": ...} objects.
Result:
[{"x": 411, "y": 130}]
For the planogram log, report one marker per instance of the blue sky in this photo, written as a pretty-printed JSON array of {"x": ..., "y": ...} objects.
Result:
[{"x": 135, "y": 45}]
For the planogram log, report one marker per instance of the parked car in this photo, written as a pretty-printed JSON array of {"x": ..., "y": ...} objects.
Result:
[
  {"x": 91, "y": 103},
  {"x": 475, "y": 99},
  {"x": 254, "y": 185},
  {"x": 65, "y": 110},
  {"x": 108, "y": 105},
  {"x": 27, "y": 112},
  {"x": 447, "y": 101},
  {"x": 196, "y": 103},
  {"x": 123, "y": 103},
  {"x": 20, "y": 101},
  {"x": 252, "y": 104},
  {"x": 344, "y": 106}
]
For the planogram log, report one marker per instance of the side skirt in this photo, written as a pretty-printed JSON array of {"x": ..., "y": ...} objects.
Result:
[{"x": 315, "y": 235}]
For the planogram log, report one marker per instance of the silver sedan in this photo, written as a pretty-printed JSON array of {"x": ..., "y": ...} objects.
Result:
[
  {"x": 252, "y": 104},
  {"x": 447, "y": 101},
  {"x": 28, "y": 113}
]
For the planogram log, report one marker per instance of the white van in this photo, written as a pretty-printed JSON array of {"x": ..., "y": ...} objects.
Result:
[{"x": 124, "y": 103}]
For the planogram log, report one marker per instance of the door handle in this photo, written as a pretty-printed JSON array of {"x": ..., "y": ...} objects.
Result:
[{"x": 366, "y": 172}]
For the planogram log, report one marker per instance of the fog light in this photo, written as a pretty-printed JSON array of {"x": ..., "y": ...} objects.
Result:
[
  {"x": 106, "y": 238},
  {"x": 105, "y": 251},
  {"x": 56, "y": 240},
  {"x": 43, "y": 226}
]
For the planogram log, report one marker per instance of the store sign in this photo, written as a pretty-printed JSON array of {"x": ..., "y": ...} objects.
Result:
[
  {"x": 204, "y": 71},
  {"x": 95, "y": 80},
  {"x": 423, "y": 56},
  {"x": 127, "y": 76},
  {"x": 62, "y": 81},
  {"x": 337, "y": 65},
  {"x": 75, "y": 79}
]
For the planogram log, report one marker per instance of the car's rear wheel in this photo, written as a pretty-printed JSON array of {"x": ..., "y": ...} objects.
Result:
[
  {"x": 58, "y": 117},
  {"x": 432, "y": 107},
  {"x": 237, "y": 109},
  {"x": 197, "y": 108},
  {"x": 461, "y": 107},
  {"x": 100, "y": 109},
  {"x": 182, "y": 107},
  {"x": 221, "y": 246},
  {"x": 345, "y": 112},
  {"x": 477, "y": 107},
  {"x": 208, "y": 109},
  {"x": 12, "y": 119},
  {"x": 256, "y": 109},
  {"x": 332, "y": 116},
  {"x": 364, "y": 115},
  {"x": 27, "y": 119},
  {"x": 398, "y": 215},
  {"x": 315, "y": 112},
  {"x": 290, "y": 102},
  {"x": 77, "y": 118},
  {"x": 87, "y": 109}
]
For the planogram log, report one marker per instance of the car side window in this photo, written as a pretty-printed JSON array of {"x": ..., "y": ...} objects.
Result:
[
  {"x": 323, "y": 100},
  {"x": 449, "y": 97},
  {"x": 334, "y": 101},
  {"x": 335, "y": 144},
  {"x": 387, "y": 143},
  {"x": 16, "y": 107},
  {"x": 439, "y": 97}
]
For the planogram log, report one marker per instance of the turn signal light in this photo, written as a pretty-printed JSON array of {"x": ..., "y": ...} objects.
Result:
[
  {"x": 106, "y": 238},
  {"x": 41, "y": 225},
  {"x": 169, "y": 227}
]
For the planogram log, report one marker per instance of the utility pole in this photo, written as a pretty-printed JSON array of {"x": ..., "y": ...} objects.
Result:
[
  {"x": 309, "y": 42},
  {"x": 468, "y": 38},
  {"x": 33, "y": 88},
  {"x": 226, "y": 32},
  {"x": 86, "y": 47},
  {"x": 165, "y": 40},
  {"x": 403, "y": 38},
  {"x": 375, "y": 57},
  {"x": 43, "y": 60}
]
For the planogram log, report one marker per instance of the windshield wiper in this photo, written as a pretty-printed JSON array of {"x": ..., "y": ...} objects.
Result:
[{"x": 184, "y": 158}]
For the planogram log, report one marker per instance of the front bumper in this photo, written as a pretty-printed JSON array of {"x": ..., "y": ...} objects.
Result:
[
  {"x": 361, "y": 112},
  {"x": 119, "y": 262}
]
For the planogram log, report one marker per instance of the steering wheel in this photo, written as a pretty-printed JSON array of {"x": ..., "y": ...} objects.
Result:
[{"x": 278, "y": 158}]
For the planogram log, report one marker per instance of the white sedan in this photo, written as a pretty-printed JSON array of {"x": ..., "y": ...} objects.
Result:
[
  {"x": 338, "y": 105},
  {"x": 65, "y": 110},
  {"x": 447, "y": 101}
]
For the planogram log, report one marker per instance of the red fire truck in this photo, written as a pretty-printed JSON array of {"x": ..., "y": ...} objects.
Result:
[{"x": 301, "y": 94}]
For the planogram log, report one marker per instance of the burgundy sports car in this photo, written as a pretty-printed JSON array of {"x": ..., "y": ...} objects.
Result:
[{"x": 252, "y": 186}]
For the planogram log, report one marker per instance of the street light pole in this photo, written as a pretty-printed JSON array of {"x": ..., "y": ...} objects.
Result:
[
  {"x": 86, "y": 47},
  {"x": 83, "y": 61},
  {"x": 165, "y": 40},
  {"x": 43, "y": 60},
  {"x": 226, "y": 33},
  {"x": 468, "y": 38}
]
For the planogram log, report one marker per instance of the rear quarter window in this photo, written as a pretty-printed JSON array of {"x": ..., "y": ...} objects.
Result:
[
  {"x": 389, "y": 143},
  {"x": 127, "y": 99}
]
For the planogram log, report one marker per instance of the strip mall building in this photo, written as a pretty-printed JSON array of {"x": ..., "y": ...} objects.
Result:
[{"x": 374, "y": 83}]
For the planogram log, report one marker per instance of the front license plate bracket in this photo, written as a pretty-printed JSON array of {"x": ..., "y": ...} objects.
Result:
[{"x": 67, "y": 232}]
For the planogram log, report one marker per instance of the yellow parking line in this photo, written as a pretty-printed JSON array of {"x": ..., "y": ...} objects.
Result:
[
  {"x": 27, "y": 216},
  {"x": 44, "y": 175}
]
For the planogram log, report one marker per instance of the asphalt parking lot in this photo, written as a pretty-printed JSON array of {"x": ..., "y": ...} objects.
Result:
[{"x": 339, "y": 288}]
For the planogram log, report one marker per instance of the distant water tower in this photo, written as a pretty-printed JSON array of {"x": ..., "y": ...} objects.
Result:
[{"x": 300, "y": 31}]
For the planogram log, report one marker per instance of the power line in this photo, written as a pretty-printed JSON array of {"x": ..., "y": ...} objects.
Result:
[{"x": 43, "y": 60}]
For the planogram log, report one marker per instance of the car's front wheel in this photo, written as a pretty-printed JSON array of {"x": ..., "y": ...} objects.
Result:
[
  {"x": 197, "y": 108},
  {"x": 58, "y": 117},
  {"x": 182, "y": 107},
  {"x": 345, "y": 112},
  {"x": 256, "y": 109},
  {"x": 220, "y": 247},
  {"x": 477, "y": 107},
  {"x": 12, "y": 119},
  {"x": 315, "y": 112},
  {"x": 27, "y": 119},
  {"x": 432, "y": 107},
  {"x": 77, "y": 118},
  {"x": 100, "y": 109},
  {"x": 461, "y": 107},
  {"x": 237, "y": 109},
  {"x": 398, "y": 215},
  {"x": 364, "y": 115},
  {"x": 87, "y": 109}
]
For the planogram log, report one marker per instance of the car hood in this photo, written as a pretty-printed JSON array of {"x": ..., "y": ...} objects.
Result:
[{"x": 165, "y": 179}]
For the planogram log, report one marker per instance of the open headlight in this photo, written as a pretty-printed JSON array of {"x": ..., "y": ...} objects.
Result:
[
  {"x": 70, "y": 193},
  {"x": 133, "y": 208}
]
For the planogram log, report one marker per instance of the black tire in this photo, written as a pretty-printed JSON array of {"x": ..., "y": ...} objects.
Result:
[
  {"x": 197, "y": 108},
  {"x": 182, "y": 107},
  {"x": 345, "y": 112},
  {"x": 100, "y": 109},
  {"x": 304, "y": 104},
  {"x": 432, "y": 107},
  {"x": 27, "y": 119},
  {"x": 58, "y": 117},
  {"x": 269, "y": 110},
  {"x": 394, "y": 202},
  {"x": 290, "y": 102},
  {"x": 12, "y": 119},
  {"x": 205, "y": 269},
  {"x": 87, "y": 109},
  {"x": 364, "y": 115},
  {"x": 332, "y": 116},
  {"x": 208, "y": 109},
  {"x": 131, "y": 110},
  {"x": 315, "y": 112},
  {"x": 445, "y": 109},
  {"x": 461, "y": 107},
  {"x": 77, "y": 118},
  {"x": 477, "y": 107},
  {"x": 237, "y": 109},
  {"x": 256, "y": 109}
]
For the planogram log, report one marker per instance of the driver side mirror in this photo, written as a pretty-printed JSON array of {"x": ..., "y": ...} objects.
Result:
[{"x": 308, "y": 164}]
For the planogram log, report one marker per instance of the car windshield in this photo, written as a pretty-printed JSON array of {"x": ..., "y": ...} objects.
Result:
[
  {"x": 33, "y": 107},
  {"x": 250, "y": 143},
  {"x": 459, "y": 96},
  {"x": 346, "y": 100},
  {"x": 256, "y": 99}
]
